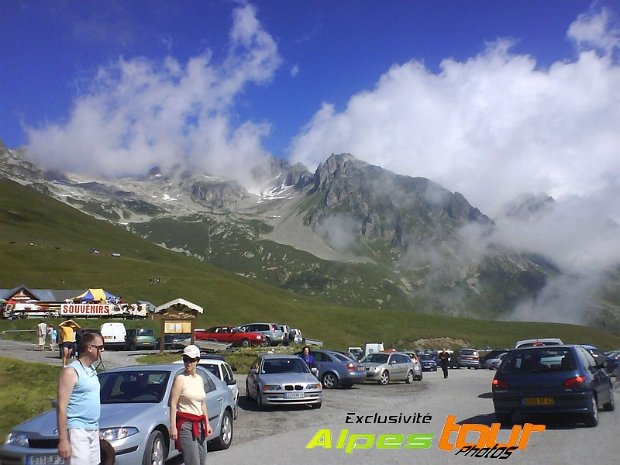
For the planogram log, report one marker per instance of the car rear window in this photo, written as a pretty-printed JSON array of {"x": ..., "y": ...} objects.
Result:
[
  {"x": 376, "y": 358},
  {"x": 540, "y": 360},
  {"x": 468, "y": 352},
  {"x": 140, "y": 386}
]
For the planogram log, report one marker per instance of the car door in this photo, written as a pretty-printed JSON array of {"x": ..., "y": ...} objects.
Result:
[
  {"x": 600, "y": 380},
  {"x": 321, "y": 362},
  {"x": 215, "y": 400},
  {"x": 252, "y": 379},
  {"x": 396, "y": 367}
]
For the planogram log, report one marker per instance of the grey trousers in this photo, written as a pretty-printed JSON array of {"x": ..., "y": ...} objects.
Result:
[{"x": 194, "y": 451}]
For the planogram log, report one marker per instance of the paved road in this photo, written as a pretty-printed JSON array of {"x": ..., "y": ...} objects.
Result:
[{"x": 280, "y": 436}]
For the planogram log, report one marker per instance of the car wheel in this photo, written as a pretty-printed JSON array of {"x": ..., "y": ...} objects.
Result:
[
  {"x": 247, "y": 390},
  {"x": 409, "y": 378},
  {"x": 503, "y": 418},
  {"x": 266, "y": 342},
  {"x": 384, "y": 378},
  {"x": 245, "y": 343},
  {"x": 611, "y": 405},
  {"x": 420, "y": 376},
  {"x": 592, "y": 417},
  {"x": 317, "y": 405},
  {"x": 155, "y": 451},
  {"x": 329, "y": 381},
  {"x": 259, "y": 400},
  {"x": 224, "y": 440}
]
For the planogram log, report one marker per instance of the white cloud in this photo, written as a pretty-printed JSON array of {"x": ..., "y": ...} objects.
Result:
[
  {"x": 595, "y": 30},
  {"x": 494, "y": 127},
  {"x": 139, "y": 113}
]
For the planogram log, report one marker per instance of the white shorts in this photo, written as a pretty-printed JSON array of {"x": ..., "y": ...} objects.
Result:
[{"x": 84, "y": 447}]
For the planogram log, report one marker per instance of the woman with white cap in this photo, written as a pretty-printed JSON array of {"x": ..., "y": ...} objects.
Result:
[{"x": 189, "y": 422}]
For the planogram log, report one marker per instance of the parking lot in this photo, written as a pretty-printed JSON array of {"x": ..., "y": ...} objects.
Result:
[{"x": 280, "y": 435}]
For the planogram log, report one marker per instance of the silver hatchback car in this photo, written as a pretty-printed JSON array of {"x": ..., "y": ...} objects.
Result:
[
  {"x": 135, "y": 416},
  {"x": 384, "y": 367}
]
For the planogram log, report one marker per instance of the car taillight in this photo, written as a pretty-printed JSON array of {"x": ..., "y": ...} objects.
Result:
[
  {"x": 499, "y": 384},
  {"x": 574, "y": 382},
  {"x": 351, "y": 366}
]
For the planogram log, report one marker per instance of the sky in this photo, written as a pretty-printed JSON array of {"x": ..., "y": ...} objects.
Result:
[{"x": 491, "y": 98}]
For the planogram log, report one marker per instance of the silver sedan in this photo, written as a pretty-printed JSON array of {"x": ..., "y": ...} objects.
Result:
[
  {"x": 135, "y": 416},
  {"x": 283, "y": 380}
]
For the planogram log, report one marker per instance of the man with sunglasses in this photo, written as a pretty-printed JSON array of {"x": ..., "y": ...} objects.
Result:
[{"x": 79, "y": 405}]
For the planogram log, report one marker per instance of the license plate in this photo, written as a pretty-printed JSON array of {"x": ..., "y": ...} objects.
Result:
[
  {"x": 45, "y": 460},
  {"x": 537, "y": 401},
  {"x": 293, "y": 395}
]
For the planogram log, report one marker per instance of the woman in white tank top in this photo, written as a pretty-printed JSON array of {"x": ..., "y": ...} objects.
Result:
[{"x": 189, "y": 421}]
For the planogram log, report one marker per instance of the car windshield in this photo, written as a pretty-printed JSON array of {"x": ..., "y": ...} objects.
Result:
[
  {"x": 376, "y": 358},
  {"x": 540, "y": 360},
  {"x": 427, "y": 357},
  {"x": 284, "y": 365},
  {"x": 468, "y": 352},
  {"x": 139, "y": 386}
]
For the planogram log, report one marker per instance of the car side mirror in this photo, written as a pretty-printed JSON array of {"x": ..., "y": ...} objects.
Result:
[
  {"x": 231, "y": 382},
  {"x": 54, "y": 403},
  {"x": 392, "y": 362},
  {"x": 315, "y": 372}
]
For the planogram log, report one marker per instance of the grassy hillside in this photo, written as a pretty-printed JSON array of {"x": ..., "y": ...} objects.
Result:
[{"x": 60, "y": 258}]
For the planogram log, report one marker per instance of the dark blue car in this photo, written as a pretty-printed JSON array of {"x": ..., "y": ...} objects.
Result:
[
  {"x": 428, "y": 361},
  {"x": 551, "y": 379}
]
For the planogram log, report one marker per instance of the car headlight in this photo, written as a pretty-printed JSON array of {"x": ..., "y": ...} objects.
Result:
[
  {"x": 314, "y": 386},
  {"x": 17, "y": 439},
  {"x": 112, "y": 434},
  {"x": 271, "y": 387}
]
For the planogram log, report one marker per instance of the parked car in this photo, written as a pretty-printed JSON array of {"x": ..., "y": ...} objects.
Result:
[
  {"x": 598, "y": 354},
  {"x": 296, "y": 336},
  {"x": 491, "y": 354},
  {"x": 417, "y": 365},
  {"x": 272, "y": 334},
  {"x": 140, "y": 338},
  {"x": 428, "y": 361},
  {"x": 135, "y": 417},
  {"x": 494, "y": 363},
  {"x": 612, "y": 362},
  {"x": 282, "y": 380},
  {"x": 176, "y": 341},
  {"x": 543, "y": 341},
  {"x": 286, "y": 333},
  {"x": 468, "y": 358},
  {"x": 551, "y": 379},
  {"x": 220, "y": 368},
  {"x": 384, "y": 367},
  {"x": 114, "y": 335},
  {"x": 230, "y": 335},
  {"x": 357, "y": 352},
  {"x": 336, "y": 369}
]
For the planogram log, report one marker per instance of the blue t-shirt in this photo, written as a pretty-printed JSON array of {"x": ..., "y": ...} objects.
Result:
[{"x": 84, "y": 404}]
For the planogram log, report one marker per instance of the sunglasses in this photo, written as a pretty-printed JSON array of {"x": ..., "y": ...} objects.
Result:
[
  {"x": 97, "y": 347},
  {"x": 187, "y": 359}
]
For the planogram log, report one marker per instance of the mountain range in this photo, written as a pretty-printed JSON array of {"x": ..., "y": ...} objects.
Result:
[{"x": 350, "y": 233}]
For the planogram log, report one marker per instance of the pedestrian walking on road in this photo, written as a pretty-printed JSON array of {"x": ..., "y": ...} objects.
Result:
[
  {"x": 444, "y": 359},
  {"x": 67, "y": 332},
  {"x": 41, "y": 335},
  {"x": 189, "y": 421},
  {"x": 53, "y": 337},
  {"x": 79, "y": 406}
]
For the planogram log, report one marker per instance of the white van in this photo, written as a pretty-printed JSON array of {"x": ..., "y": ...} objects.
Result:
[{"x": 114, "y": 335}]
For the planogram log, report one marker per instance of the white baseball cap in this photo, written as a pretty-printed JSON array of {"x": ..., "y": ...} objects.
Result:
[{"x": 192, "y": 351}]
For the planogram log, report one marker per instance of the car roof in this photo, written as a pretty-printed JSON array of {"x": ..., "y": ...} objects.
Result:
[
  {"x": 160, "y": 367},
  {"x": 270, "y": 356}
]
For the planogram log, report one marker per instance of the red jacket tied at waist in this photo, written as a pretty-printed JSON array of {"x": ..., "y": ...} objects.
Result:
[{"x": 196, "y": 421}]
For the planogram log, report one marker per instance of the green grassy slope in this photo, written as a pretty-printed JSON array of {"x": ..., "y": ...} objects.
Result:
[{"x": 60, "y": 258}]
